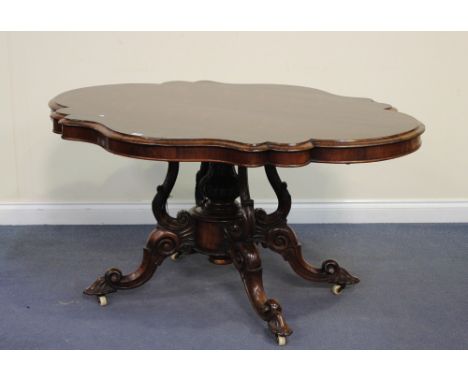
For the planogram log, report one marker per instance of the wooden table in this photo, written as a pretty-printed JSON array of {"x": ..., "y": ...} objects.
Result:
[{"x": 223, "y": 126}]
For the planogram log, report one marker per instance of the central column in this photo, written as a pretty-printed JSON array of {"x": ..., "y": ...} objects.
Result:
[{"x": 217, "y": 191}]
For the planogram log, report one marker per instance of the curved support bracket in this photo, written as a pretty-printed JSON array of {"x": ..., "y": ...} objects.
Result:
[
  {"x": 279, "y": 216},
  {"x": 272, "y": 231},
  {"x": 159, "y": 204},
  {"x": 172, "y": 235},
  {"x": 183, "y": 223}
]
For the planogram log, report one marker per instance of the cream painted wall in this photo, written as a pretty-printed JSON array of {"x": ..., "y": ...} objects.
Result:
[{"x": 422, "y": 74}]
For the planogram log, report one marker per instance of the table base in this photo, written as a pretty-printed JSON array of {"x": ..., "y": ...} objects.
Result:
[{"x": 228, "y": 231}]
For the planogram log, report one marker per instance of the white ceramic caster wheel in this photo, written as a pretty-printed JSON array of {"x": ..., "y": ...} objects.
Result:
[
  {"x": 337, "y": 289},
  {"x": 102, "y": 300},
  {"x": 175, "y": 256},
  {"x": 281, "y": 340}
]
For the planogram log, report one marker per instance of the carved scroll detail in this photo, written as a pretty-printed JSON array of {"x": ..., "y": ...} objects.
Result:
[
  {"x": 159, "y": 204},
  {"x": 272, "y": 231},
  {"x": 172, "y": 235},
  {"x": 183, "y": 223},
  {"x": 160, "y": 245},
  {"x": 266, "y": 221},
  {"x": 244, "y": 255},
  {"x": 247, "y": 261}
]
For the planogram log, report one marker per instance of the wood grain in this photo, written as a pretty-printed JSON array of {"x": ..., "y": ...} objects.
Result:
[{"x": 249, "y": 125}]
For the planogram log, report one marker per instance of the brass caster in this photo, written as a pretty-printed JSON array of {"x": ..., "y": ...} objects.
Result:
[
  {"x": 337, "y": 289},
  {"x": 102, "y": 300},
  {"x": 176, "y": 256},
  {"x": 281, "y": 340}
]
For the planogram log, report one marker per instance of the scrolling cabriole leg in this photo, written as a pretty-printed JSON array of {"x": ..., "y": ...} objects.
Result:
[
  {"x": 247, "y": 260},
  {"x": 272, "y": 231},
  {"x": 171, "y": 236}
]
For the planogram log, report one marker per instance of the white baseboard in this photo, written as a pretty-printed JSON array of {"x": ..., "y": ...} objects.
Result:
[{"x": 302, "y": 212}]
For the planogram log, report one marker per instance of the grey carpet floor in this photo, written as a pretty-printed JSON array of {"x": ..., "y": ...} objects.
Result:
[{"x": 412, "y": 295}]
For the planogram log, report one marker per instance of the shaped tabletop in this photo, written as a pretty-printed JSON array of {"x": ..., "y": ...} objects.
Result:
[{"x": 245, "y": 124}]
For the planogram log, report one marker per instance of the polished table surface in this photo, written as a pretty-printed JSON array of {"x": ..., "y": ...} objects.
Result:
[
  {"x": 228, "y": 128},
  {"x": 290, "y": 121}
]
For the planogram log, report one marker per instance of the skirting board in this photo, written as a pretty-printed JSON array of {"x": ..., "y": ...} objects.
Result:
[{"x": 301, "y": 212}]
